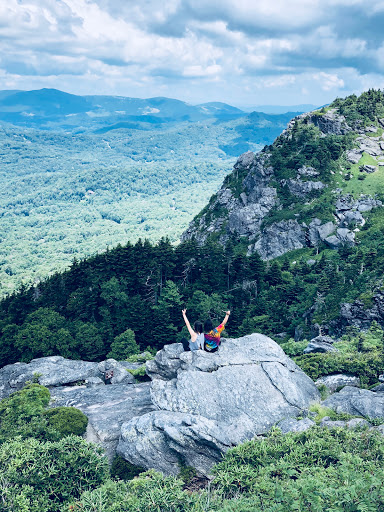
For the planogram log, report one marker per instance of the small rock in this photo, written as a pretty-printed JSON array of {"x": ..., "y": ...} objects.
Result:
[
  {"x": 358, "y": 423},
  {"x": 316, "y": 345},
  {"x": 332, "y": 382},
  {"x": 120, "y": 373},
  {"x": 354, "y": 155},
  {"x": 368, "y": 168},
  {"x": 293, "y": 425},
  {"x": 325, "y": 422},
  {"x": 378, "y": 388},
  {"x": 380, "y": 428},
  {"x": 91, "y": 382}
]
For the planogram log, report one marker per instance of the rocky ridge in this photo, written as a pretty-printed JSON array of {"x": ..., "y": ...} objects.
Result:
[
  {"x": 230, "y": 213},
  {"x": 198, "y": 404}
]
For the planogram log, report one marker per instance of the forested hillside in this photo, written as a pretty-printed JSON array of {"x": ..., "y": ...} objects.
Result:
[
  {"x": 143, "y": 287},
  {"x": 66, "y": 194}
]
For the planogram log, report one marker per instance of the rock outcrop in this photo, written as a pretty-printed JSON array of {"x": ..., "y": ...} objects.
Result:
[
  {"x": 336, "y": 381},
  {"x": 216, "y": 401},
  {"x": 359, "y": 315},
  {"x": 360, "y": 402},
  {"x": 279, "y": 238},
  {"x": 255, "y": 191},
  {"x": 320, "y": 344},
  {"x": 57, "y": 371},
  {"x": 107, "y": 408}
]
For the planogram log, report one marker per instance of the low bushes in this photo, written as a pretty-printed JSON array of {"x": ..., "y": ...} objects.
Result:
[
  {"x": 67, "y": 420},
  {"x": 367, "y": 366},
  {"x": 41, "y": 476}
]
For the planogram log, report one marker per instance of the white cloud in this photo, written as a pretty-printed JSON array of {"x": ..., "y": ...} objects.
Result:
[
  {"x": 180, "y": 47},
  {"x": 329, "y": 81}
]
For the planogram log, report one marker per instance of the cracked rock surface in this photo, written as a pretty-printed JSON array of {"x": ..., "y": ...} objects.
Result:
[
  {"x": 361, "y": 402},
  {"x": 216, "y": 401}
]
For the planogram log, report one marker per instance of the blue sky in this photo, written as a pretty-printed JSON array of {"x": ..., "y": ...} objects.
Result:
[{"x": 243, "y": 52}]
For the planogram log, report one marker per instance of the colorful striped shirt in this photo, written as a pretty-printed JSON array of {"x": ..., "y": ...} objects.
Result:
[{"x": 212, "y": 339}]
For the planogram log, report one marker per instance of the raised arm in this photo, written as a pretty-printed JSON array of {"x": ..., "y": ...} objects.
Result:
[
  {"x": 190, "y": 330},
  {"x": 226, "y": 318}
]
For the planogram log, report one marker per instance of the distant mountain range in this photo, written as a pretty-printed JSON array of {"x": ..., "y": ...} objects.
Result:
[{"x": 51, "y": 109}]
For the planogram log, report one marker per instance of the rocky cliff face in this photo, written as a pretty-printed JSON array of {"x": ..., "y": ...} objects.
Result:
[{"x": 251, "y": 200}]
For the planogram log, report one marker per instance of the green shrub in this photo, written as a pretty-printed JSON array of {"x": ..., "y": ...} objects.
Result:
[
  {"x": 317, "y": 470},
  {"x": 367, "y": 366},
  {"x": 322, "y": 411},
  {"x": 149, "y": 492},
  {"x": 121, "y": 469},
  {"x": 21, "y": 415},
  {"x": 123, "y": 346},
  {"x": 67, "y": 420},
  {"x": 140, "y": 373},
  {"x": 294, "y": 348},
  {"x": 45, "y": 475}
]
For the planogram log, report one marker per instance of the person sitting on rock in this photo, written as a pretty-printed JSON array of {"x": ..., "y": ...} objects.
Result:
[
  {"x": 212, "y": 335},
  {"x": 197, "y": 336}
]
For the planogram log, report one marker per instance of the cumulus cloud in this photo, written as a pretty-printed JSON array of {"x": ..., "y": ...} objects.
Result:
[{"x": 197, "y": 50}]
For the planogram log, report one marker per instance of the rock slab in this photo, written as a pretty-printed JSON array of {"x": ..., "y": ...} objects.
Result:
[
  {"x": 359, "y": 402},
  {"x": 214, "y": 402},
  {"x": 106, "y": 407}
]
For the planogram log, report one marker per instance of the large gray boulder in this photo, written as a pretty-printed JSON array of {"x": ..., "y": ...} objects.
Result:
[
  {"x": 163, "y": 440},
  {"x": 106, "y": 407},
  {"x": 216, "y": 400},
  {"x": 360, "y": 402},
  {"x": 57, "y": 371},
  {"x": 48, "y": 371}
]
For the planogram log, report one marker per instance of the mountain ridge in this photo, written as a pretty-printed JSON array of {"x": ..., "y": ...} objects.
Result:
[{"x": 254, "y": 200}]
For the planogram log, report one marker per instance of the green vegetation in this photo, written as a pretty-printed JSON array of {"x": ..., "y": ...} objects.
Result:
[
  {"x": 76, "y": 194},
  {"x": 319, "y": 470},
  {"x": 40, "y": 476},
  {"x": 24, "y": 414},
  {"x": 67, "y": 420},
  {"x": 124, "y": 346},
  {"x": 124, "y": 470},
  {"x": 361, "y": 110},
  {"x": 359, "y": 353}
]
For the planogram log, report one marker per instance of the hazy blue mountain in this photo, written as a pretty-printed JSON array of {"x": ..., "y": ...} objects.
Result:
[
  {"x": 51, "y": 109},
  {"x": 4, "y": 94}
]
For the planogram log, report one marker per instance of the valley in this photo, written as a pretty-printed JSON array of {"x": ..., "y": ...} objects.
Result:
[{"x": 67, "y": 192}]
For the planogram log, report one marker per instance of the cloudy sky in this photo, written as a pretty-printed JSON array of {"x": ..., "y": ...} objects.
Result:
[{"x": 243, "y": 52}]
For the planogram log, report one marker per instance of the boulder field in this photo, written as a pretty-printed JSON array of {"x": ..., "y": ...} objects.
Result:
[{"x": 197, "y": 406}]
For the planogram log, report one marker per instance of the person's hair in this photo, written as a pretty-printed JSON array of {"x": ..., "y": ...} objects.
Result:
[
  {"x": 198, "y": 326},
  {"x": 208, "y": 325}
]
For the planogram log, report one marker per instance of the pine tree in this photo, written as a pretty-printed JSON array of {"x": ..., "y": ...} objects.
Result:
[{"x": 123, "y": 346}]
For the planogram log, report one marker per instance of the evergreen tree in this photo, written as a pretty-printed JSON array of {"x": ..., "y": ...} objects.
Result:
[{"x": 123, "y": 346}]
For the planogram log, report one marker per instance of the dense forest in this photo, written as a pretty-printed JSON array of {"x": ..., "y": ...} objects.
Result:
[{"x": 75, "y": 194}]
